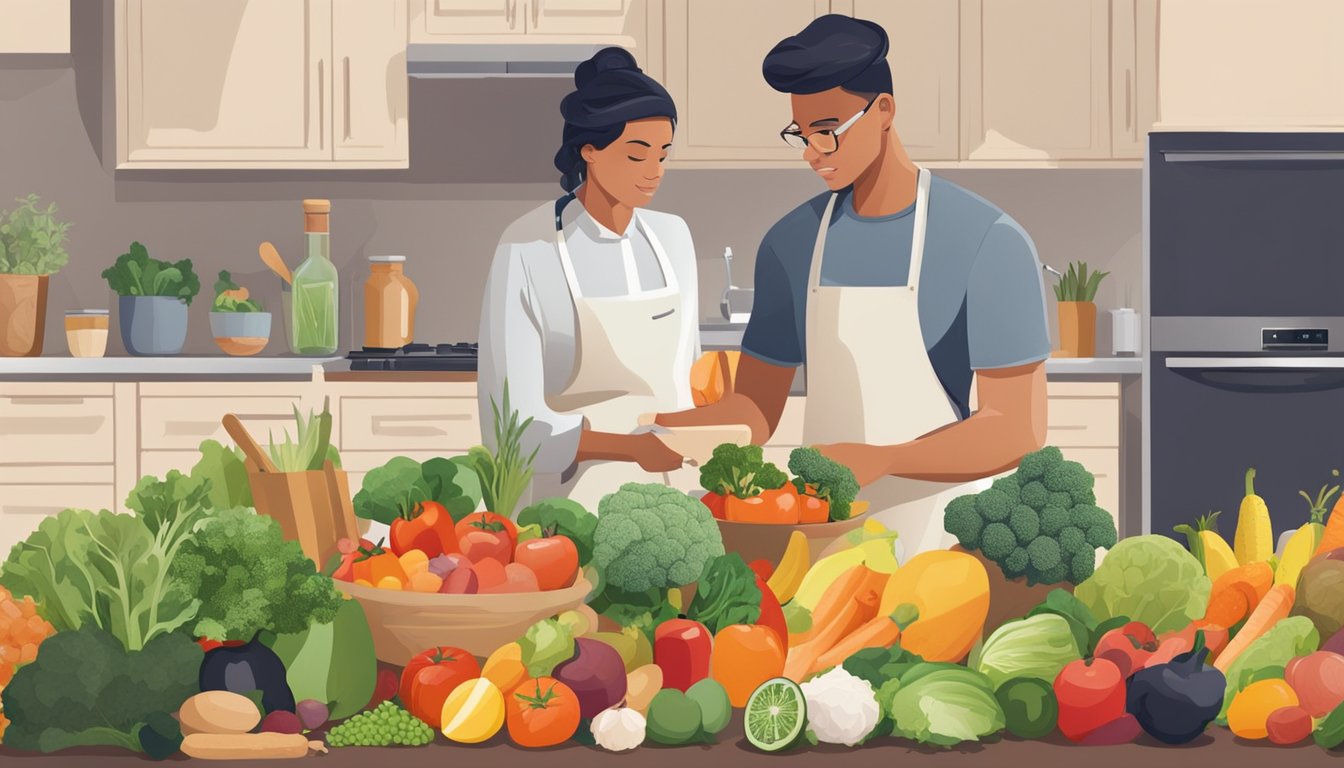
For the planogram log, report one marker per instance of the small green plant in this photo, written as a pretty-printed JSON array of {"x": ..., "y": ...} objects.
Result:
[
  {"x": 32, "y": 240},
  {"x": 230, "y": 297},
  {"x": 506, "y": 473},
  {"x": 136, "y": 274},
  {"x": 1078, "y": 284}
]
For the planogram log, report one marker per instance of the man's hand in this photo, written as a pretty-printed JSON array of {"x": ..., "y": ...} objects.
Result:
[
  {"x": 868, "y": 462},
  {"x": 653, "y": 455}
]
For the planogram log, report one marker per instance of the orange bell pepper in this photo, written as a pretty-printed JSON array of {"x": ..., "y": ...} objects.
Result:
[
  {"x": 375, "y": 563},
  {"x": 776, "y": 507}
]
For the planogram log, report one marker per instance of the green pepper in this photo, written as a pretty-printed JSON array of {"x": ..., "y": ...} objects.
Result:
[{"x": 1330, "y": 732}]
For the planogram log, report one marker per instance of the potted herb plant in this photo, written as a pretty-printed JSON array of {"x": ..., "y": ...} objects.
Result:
[
  {"x": 1077, "y": 312},
  {"x": 32, "y": 248},
  {"x": 237, "y": 321},
  {"x": 153, "y": 300}
]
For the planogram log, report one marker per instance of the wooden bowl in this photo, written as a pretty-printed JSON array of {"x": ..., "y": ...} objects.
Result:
[
  {"x": 406, "y": 623},
  {"x": 763, "y": 541},
  {"x": 241, "y": 346}
]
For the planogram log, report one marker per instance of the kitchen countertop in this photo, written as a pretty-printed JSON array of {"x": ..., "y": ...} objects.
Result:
[{"x": 141, "y": 368}]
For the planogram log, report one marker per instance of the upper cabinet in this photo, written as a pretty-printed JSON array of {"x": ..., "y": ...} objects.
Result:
[
  {"x": 524, "y": 21},
  {"x": 275, "y": 84},
  {"x": 713, "y": 54},
  {"x": 35, "y": 26},
  {"x": 1252, "y": 64}
]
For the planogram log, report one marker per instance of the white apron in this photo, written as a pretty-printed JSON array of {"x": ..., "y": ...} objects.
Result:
[
  {"x": 624, "y": 348},
  {"x": 869, "y": 380}
]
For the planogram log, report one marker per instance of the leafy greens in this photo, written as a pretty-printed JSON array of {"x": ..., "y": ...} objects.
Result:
[{"x": 136, "y": 274}]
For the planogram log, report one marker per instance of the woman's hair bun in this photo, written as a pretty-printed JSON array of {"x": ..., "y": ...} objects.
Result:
[{"x": 605, "y": 60}]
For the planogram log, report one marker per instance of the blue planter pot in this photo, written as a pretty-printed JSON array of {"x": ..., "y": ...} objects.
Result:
[
  {"x": 241, "y": 333},
  {"x": 152, "y": 325}
]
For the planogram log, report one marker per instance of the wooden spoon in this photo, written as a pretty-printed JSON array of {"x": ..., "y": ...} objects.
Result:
[{"x": 271, "y": 258}]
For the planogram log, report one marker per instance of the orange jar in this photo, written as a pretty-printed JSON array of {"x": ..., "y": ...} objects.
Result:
[{"x": 389, "y": 304}]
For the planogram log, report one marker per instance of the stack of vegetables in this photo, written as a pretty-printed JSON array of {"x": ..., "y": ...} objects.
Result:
[
  {"x": 1041, "y": 522},
  {"x": 745, "y": 488}
]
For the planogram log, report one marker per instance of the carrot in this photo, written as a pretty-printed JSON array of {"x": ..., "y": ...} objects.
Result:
[
  {"x": 852, "y": 583},
  {"x": 877, "y": 632},
  {"x": 1333, "y": 537},
  {"x": 801, "y": 658},
  {"x": 1236, "y": 592},
  {"x": 1274, "y": 607},
  {"x": 1215, "y": 638}
]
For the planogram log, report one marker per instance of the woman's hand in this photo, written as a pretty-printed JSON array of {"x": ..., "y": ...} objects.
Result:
[{"x": 653, "y": 455}]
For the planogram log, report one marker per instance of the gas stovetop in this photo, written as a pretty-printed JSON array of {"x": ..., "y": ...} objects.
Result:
[{"x": 416, "y": 357}]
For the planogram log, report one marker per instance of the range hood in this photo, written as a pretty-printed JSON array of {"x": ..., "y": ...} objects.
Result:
[{"x": 474, "y": 60}]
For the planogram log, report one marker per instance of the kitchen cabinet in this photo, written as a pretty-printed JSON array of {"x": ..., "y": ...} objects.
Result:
[
  {"x": 1134, "y": 95},
  {"x": 729, "y": 116},
  {"x": 35, "y": 26},
  {"x": 618, "y": 22},
  {"x": 1084, "y": 422},
  {"x": 925, "y": 61},
  {"x": 280, "y": 84},
  {"x": 467, "y": 17},
  {"x": 1252, "y": 64},
  {"x": 1036, "y": 80}
]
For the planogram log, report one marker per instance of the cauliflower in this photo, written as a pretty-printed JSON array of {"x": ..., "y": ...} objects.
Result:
[
  {"x": 841, "y": 708},
  {"x": 650, "y": 536},
  {"x": 617, "y": 730}
]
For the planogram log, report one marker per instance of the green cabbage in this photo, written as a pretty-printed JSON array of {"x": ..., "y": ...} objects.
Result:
[
  {"x": 1151, "y": 579},
  {"x": 1038, "y": 646},
  {"x": 1268, "y": 655},
  {"x": 942, "y": 704},
  {"x": 546, "y": 645}
]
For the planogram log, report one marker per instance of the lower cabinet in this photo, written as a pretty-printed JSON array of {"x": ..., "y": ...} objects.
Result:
[{"x": 1084, "y": 422}]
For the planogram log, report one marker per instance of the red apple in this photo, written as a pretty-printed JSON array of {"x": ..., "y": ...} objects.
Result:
[{"x": 1090, "y": 694}]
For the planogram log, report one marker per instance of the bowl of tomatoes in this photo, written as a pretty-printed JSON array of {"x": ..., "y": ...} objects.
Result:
[
  {"x": 767, "y": 541},
  {"x": 474, "y": 584}
]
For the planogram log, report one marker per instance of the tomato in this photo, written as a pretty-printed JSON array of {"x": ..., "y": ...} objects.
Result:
[
  {"x": 490, "y": 575},
  {"x": 488, "y": 521},
  {"x": 429, "y": 529},
  {"x": 486, "y": 545},
  {"x": 431, "y": 676},
  {"x": 517, "y": 578},
  {"x": 373, "y": 564},
  {"x": 554, "y": 559},
  {"x": 1091, "y": 694},
  {"x": 542, "y": 712},
  {"x": 777, "y": 507},
  {"x": 744, "y": 656},
  {"x": 715, "y": 503},
  {"x": 349, "y": 550}
]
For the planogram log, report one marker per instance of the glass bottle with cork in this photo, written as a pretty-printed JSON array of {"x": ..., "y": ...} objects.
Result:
[{"x": 315, "y": 300}]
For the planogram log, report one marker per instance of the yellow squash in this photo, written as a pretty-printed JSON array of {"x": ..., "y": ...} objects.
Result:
[
  {"x": 1302, "y": 544},
  {"x": 950, "y": 591},
  {"x": 788, "y": 575},
  {"x": 822, "y": 574},
  {"x": 1254, "y": 541},
  {"x": 1210, "y": 549}
]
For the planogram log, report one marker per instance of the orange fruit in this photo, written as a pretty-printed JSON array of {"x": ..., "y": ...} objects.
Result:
[{"x": 744, "y": 656}]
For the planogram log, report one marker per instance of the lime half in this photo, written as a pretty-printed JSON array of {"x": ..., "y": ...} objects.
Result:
[{"x": 776, "y": 715}]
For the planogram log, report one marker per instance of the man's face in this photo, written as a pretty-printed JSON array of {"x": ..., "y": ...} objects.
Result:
[{"x": 818, "y": 115}]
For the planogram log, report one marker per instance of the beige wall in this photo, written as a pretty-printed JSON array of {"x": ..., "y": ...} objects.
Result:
[{"x": 480, "y": 156}]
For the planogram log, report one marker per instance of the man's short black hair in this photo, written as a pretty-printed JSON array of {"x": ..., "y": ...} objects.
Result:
[{"x": 834, "y": 51}]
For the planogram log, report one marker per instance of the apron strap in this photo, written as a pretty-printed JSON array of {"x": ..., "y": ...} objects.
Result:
[
  {"x": 819, "y": 245},
  {"x": 664, "y": 262},
  {"x": 920, "y": 228},
  {"x": 563, "y": 250}
]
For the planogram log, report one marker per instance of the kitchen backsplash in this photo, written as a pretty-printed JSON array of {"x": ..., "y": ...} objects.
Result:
[{"x": 480, "y": 156}]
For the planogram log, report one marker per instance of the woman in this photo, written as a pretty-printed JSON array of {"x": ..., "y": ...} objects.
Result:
[{"x": 590, "y": 313}]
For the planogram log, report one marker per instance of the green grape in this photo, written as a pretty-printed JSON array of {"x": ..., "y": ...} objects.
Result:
[{"x": 386, "y": 725}]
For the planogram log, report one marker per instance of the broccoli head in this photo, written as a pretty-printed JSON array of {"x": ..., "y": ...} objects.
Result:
[
  {"x": 1015, "y": 564},
  {"x": 994, "y": 506},
  {"x": 1026, "y": 524},
  {"x": 650, "y": 536},
  {"x": 1072, "y": 540},
  {"x": 1087, "y": 516},
  {"x": 740, "y": 470},
  {"x": 1102, "y": 535},
  {"x": 1035, "y": 465},
  {"x": 1054, "y": 520},
  {"x": 1009, "y": 487},
  {"x": 997, "y": 541},
  {"x": 1072, "y": 478},
  {"x": 1059, "y": 499},
  {"x": 1044, "y": 553},
  {"x": 961, "y": 520},
  {"x": 1081, "y": 565},
  {"x": 1086, "y": 498},
  {"x": 1052, "y": 576},
  {"x": 829, "y": 480},
  {"x": 1035, "y": 496}
]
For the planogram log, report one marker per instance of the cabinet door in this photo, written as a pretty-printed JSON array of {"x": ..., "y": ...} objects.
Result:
[
  {"x": 925, "y": 63},
  {"x": 369, "y": 64},
  {"x": 590, "y": 18},
  {"x": 1252, "y": 63},
  {"x": 223, "y": 83},
  {"x": 714, "y": 50},
  {"x": 1133, "y": 76},
  {"x": 35, "y": 26},
  {"x": 1036, "y": 80},
  {"x": 472, "y": 17}
]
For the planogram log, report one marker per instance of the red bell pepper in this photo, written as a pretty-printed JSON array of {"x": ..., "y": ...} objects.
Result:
[
  {"x": 429, "y": 528},
  {"x": 681, "y": 648},
  {"x": 715, "y": 503},
  {"x": 772, "y": 614},
  {"x": 763, "y": 568},
  {"x": 777, "y": 507}
]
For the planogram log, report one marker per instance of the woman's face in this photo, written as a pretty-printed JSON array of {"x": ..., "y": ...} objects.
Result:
[{"x": 630, "y": 168}]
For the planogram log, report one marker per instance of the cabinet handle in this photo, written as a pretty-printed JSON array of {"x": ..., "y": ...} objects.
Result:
[
  {"x": 321, "y": 104},
  {"x": 346, "y": 117},
  {"x": 510, "y": 11},
  {"x": 46, "y": 401},
  {"x": 1129, "y": 102},
  {"x": 536, "y": 13}
]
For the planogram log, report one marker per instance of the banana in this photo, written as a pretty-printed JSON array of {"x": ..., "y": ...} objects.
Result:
[
  {"x": 788, "y": 575},
  {"x": 1208, "y": 547},
  {"x": 823, "y": 573}
]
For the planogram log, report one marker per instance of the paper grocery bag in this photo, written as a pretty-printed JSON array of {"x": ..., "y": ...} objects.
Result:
[{"x": 313, "y": 508}]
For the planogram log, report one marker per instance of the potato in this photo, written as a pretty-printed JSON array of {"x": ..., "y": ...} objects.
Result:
[
  {"x": 641, "y": 685},
  {"x": 245, "y": 746},
  {"x": 218, "y": 712}
]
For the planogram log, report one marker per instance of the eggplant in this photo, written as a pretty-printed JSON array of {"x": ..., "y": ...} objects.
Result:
[
  {"x": 246, "y": 668},
  {"x": 1176, "y": 701}
]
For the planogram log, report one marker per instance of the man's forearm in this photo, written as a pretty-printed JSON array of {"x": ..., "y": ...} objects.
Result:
[
  {"x": 985, "y": 444},
  {"x": 605, "y": 446},
  {"x": 734, "y": 408}
]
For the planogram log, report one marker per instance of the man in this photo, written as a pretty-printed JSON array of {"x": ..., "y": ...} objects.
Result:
[{"x": 897, "y": 290}]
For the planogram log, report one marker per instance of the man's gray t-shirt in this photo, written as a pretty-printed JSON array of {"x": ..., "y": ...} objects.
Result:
[{"x": 981, "y": 297}]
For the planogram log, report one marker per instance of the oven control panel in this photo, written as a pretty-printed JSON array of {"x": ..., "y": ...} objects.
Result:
[{"x": 1316, "y": 339}]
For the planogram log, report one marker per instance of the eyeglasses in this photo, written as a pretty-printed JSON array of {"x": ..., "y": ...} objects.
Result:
[{"x": 826, "y": 140}]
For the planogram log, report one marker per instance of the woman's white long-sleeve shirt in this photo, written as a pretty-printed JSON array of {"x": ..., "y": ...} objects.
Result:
[{"x": 527, "y": 317}]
